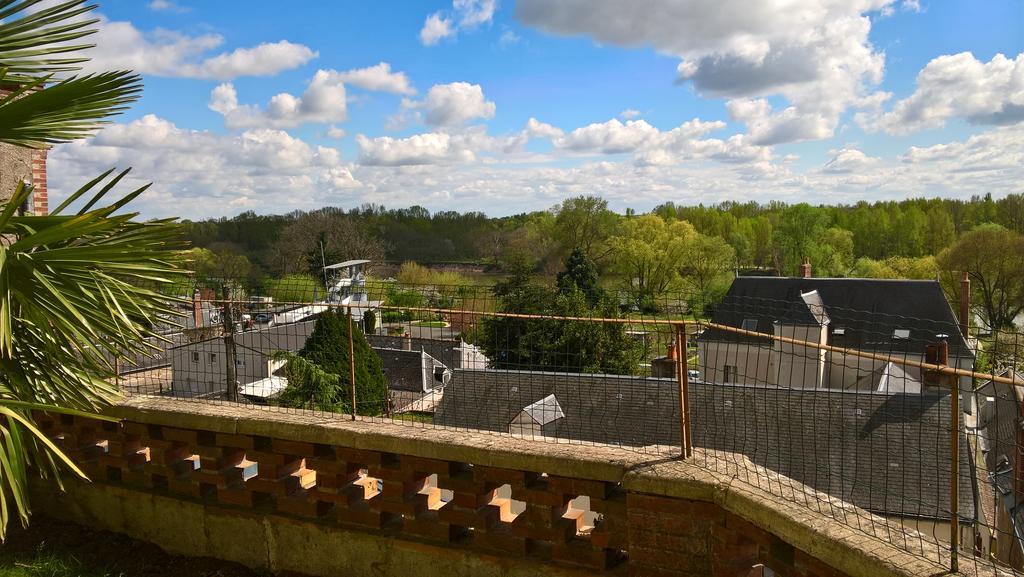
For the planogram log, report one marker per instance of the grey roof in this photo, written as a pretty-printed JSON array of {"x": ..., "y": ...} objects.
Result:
[
  {"x": 404, "y": 369},
  {"x": 887, "y": 453},
  {"x": 868, "y": 309},
  {"x": 443, "y": 350},
  {"x": 267, "y": 339},
  {"x": 999, "y": 415}
]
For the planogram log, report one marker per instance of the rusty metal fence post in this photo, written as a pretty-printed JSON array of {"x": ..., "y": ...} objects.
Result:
[
  {"x": 683, "y": 377},
  {"x": 351, "y": 362},
  {"x": 954, "y": 462}
]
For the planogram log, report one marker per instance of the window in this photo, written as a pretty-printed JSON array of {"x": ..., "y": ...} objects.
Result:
[
  {"x": 732, "y": 373},
  {"x": 195, "y": 357},
  {"x": 839, "y": 331},
  {"x": 902, "y": 334},
  {"x": 213, "y": 357},
  {"x": 239, "y": 362},
  {"x": 750, "y": 324}
]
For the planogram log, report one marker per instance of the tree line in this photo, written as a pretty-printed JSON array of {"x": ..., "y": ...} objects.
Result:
[{"x": 673, "y": 247}]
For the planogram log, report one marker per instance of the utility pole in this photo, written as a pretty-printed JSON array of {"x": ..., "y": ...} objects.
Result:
[{"x": 228, "y": 321}]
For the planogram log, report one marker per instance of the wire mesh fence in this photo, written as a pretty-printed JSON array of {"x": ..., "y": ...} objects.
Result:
[{"x": 867, "y": 401}]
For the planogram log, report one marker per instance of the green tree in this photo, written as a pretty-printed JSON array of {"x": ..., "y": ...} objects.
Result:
[
  {"x": 939, "y": 232},
  {"x": 580, "y": 274},
  {"x": 319, "y": 376},
  {"x": 557, "y": 345},
  {"x": 796, "y": 236},
  {"x": 76, "y": 287},
  {"x": 706, "y": 260},
  {"x": 994, "y": 259},
  {"x": 648, "y": 254},
  {"x": 584, "y": 222}
]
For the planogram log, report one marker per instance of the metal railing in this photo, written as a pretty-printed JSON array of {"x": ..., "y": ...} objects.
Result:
[{"x": 863, "y": 406}]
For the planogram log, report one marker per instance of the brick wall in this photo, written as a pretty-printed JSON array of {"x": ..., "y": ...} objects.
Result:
[
  {"x": 564, "y": 510},
  {"x": 40, "y": 198}
]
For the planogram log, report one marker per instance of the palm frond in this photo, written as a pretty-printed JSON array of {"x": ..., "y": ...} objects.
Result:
[
  {"x": 28, "y": 39},
  {"x": 76, "y": 291},
  {"x": 68, "y": 110}
]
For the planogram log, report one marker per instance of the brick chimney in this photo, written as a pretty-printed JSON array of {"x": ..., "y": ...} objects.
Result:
[
  {"x": 805, "y": 269},
  {"x": 671, "y": 352},
  {"x": 406, "y": 342},
  {"x": 197, "y": 308},
  {"x": 965, "y": 303}
]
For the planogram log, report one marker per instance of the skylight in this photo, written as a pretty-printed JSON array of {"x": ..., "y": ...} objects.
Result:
[
  {"x": 750, "y": 324},
  {"x": 902, "y": 334}
]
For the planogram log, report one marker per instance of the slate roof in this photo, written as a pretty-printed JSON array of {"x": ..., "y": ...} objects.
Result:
[
  {"x": 441, "y": 349},
  {"x": 868, "y": 309},
  {"x": 887, "y": 453},
  {"x": 267, "y": 339},
  {"x": 404, "y": 369}
]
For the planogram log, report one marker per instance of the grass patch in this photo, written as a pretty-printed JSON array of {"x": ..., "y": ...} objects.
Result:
[
  {"x": 415, "y": 416},
  {"x": 50, "y": 565},
  {"x": 431, "y": 324}
]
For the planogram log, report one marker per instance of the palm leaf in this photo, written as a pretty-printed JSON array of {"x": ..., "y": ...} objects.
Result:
[
  {"x": 77, "y": 289},
  {"x": 68, "y": 110},
  {"x": 29, "y": 39}
]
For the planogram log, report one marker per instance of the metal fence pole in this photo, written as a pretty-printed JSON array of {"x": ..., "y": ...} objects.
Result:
[
  {"x": 351, "y": 362},
  {"x": 683, "y": 377},
  {"x": 954, "y": 463}
]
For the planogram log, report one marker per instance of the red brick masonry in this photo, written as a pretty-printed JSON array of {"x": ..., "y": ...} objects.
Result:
[{"x": 395, "y": 494}]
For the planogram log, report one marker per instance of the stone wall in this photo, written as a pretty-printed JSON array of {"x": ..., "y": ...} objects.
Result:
[{"x": 324, "y": 495}]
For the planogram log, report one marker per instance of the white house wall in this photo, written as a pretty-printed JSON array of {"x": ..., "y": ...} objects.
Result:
[
  {"x": 797, "y": 366},
  {"x": 751, "y": 361}
]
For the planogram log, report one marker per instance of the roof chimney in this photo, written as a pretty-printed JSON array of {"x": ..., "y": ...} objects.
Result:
[
  {"x": 805, "y": 269},
  {"x": 671, "y": 351},
  {"x": 197, "y": 308},
  {"x": 965, "y": 303}
]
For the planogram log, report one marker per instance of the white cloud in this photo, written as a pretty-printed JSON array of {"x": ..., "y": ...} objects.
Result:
[
  {"x": 610, "y": 137},
  {"x": 166, "y": 6},
  {"x": 335, "y": 132},
  {"x": 508, "y": 39},
  {"x": 429, "y": 148},
  {"x": 199, "y": 173},
  {"x": 848, "y": 160},
  {"x": 379, "y": 78},
  {"x": 630, "y": 114},
  {"x": 451, "y": 105},
  {"x": 957, "y": 86},
  {"x": 815, "y": 53},
  {"x": 121, "y": 46},
  {"x": 537, "y": 129},
  {"x": 435, "y": 28},
  {"x": 322, "y": 102},
  {"x": 464, "y": 15}
]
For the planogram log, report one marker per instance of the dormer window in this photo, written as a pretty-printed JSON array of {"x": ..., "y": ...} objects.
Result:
[
  {"x": 901, "y": 334},
  {"x": 750, "y": 324}
]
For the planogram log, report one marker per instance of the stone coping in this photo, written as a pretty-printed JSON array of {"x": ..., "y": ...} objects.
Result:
[{"x": 719, "y": 478}]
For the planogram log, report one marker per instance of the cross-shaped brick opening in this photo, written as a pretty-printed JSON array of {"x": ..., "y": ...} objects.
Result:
[
  {"x": 586, "y": 519},
  {"x": 436, "y": 496},
  {"x": 372, "y": 486},
  {"x": 508, "y": 507}
]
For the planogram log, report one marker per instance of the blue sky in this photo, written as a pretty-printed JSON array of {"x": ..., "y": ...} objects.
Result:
[{"x": 509, "y": 106}]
